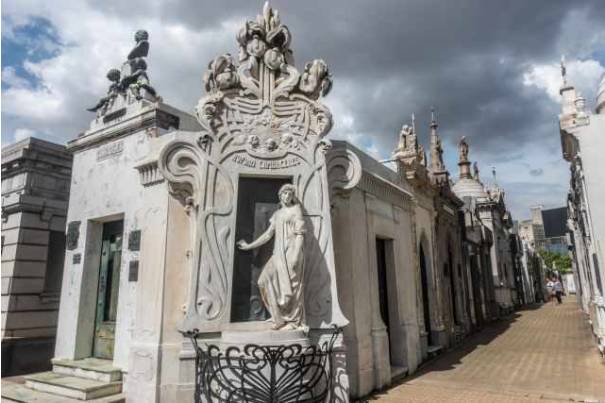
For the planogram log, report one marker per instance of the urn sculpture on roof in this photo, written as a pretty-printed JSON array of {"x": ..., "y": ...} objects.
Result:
[{"x": 262, "y": 123}]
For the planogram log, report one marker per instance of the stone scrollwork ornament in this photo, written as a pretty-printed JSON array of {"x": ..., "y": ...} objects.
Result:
[
  {"x": 278, "y": 109},
  {"x": 260, "y": 117}
]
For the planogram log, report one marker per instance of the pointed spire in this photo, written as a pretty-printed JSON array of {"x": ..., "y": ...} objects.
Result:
[
  {"x": 438, "y": 171},
  {"x": 563, "y": 71},
  {"x": 437, "y": 164},
  {"x": 433, "y": 119},
  {"x": 414, "y": 122}
]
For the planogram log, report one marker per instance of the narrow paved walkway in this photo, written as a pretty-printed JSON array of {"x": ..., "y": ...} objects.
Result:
[{"x": 540, "y": 354}]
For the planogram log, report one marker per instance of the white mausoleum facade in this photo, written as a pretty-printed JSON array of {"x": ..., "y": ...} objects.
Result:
[{"x": 178, "y": 223}]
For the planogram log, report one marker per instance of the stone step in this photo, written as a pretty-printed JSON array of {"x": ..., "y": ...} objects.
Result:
[
  {"x": 398, "y": 372},
  {"x": 90, "y": 368},
  {"x": 19, "y": 393},
  {"x": 434, "y": 350},
  {"x": 71, "y": 386}
]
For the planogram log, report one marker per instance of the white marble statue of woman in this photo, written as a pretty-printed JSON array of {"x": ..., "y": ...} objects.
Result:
[{"x": 280, "y": 281}]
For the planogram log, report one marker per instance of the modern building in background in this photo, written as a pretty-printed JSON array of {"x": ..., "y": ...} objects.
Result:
[
  {"x": 583, "y": 141},
  {"x": 546, "y": 229},
  {"x": 35, "y": 191}
]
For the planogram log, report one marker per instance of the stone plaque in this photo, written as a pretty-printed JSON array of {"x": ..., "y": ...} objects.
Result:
[
  {"x": 110, "y": 150},
  {"x": 77, "y": 258},
  {"x": 73, "y": 233},
  {"x": 134, "y": 240},
  {"x": 133, "y": 270},
  {"x": 114, "y": 115}
]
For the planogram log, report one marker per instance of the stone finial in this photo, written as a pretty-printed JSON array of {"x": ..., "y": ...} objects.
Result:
[
  {"x": 414, "y": 122},
  {"x": 563, "y": 71},
  {"x": 463, "y": 162},
  {"x": 462, "y": 150},
  {"x": 476, "y": 171},
  {"x": 437, "y": 164}
]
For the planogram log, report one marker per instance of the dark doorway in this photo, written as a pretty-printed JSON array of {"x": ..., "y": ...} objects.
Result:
[
  {"x": 257, "y": 201},
  {"x": 425, "y": 296},
  {"x": 477, "y": 289},
  {"x": 449, "y": 270},
  {"x": 107, "y": 293},
  {"x": 383, "y": 292}
]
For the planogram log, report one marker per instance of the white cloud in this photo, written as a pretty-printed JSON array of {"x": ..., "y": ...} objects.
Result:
[
  {"x": 91, "y": 43},
  {"x": 10, "y": 77},
  {"x": 583, "y": 74},
  {"x": 22, "y": 134}
]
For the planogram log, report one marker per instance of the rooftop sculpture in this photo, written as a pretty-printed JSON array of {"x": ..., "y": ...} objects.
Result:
[{"x": 131, "y": 82}]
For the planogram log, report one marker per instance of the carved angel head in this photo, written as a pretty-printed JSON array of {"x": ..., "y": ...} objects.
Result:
[
  {"x": 221, "y": 73},
  {"x": 316, "y": 80}
]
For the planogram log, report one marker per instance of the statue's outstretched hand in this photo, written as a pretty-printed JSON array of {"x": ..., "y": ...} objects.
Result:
[{"x": 243, "y": 245}]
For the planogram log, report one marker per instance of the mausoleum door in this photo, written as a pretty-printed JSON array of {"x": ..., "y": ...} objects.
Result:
[
  {"x": 107, "y": 293},
  {"x": 383, "y": 294},
  {"x": 425, "y": 294}
]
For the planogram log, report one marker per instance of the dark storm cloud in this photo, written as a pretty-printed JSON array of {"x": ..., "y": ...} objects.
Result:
[
  {"x": 392, "y": 58},
  {"x": 465, "y": 57}
]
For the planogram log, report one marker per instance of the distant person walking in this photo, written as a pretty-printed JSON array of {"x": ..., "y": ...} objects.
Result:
[
  {"x": 558, "y": 288},
  {"x": 550, "y": 289}
]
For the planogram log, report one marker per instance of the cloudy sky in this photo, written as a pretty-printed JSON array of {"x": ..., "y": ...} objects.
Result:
[{"x": 490, "y": 68}]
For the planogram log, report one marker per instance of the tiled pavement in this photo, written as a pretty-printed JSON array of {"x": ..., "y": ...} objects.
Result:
[{"x": 537, "y": 355}]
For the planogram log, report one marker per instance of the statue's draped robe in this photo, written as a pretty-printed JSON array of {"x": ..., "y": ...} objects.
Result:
[{"x": 280, "y": 282}]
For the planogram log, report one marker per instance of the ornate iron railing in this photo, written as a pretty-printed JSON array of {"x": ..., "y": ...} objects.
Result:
[{"x": 264, "y": 374}]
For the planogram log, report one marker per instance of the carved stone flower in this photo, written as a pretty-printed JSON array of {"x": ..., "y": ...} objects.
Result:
[
  {"x": 279, "y": 37},
  {"x": 274, "y": 59},
  {"x": 209, "y": 110},
  {"x": 270, "y": 144},
  {"x": 254, "y": 141},
  {"x": 287, "y": 140},
  {"x": 256, "y": 47}
]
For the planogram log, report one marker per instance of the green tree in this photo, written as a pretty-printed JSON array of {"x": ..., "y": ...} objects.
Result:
[{"x": 556, "y": 261}]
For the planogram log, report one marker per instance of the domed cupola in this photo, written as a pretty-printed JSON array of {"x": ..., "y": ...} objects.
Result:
[{"x": 468, "y": 185}]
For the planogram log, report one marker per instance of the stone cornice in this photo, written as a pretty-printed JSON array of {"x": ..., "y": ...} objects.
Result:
[
  {"x": 386, "y": 190},
  {"x": 149, "y": 116}
]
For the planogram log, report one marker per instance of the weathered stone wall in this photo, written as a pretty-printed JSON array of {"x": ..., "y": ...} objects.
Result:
[
  {"x": 114, "y": 180},
  {"x": 35, "y": 190},
  {"x": 377, "y": 207}
]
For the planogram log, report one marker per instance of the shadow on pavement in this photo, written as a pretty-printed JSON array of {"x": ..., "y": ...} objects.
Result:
[{"x": 454, "y": 356}]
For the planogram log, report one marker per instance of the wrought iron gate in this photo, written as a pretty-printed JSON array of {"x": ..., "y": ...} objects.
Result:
[{"x": 264, "y": 374}]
